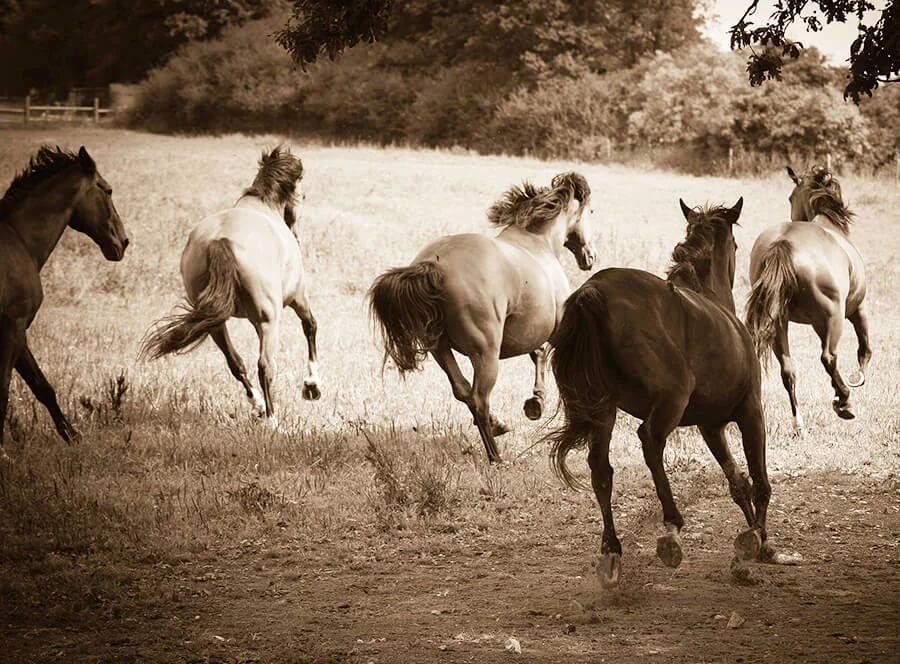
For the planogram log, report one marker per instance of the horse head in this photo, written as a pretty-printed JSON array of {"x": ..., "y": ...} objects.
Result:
[
  {"x": 818, "y": 192},
  {"x": 94, "y": 213},
  {"x": 577, "y": 224}
]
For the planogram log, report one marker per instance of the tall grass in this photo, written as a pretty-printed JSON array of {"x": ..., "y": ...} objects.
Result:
[{"x": 172, "y": 463}]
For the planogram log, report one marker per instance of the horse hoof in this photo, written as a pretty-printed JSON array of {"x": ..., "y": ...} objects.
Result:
[
  {"x": 608, "y": 569},
  {"x": 311, "y": 392},
  {"x": 71, "y": 435},
  {"x": 857, "y": 379},
  {"x": 498, "y": 426},
  {"x": 668, "y": 549},
  {"x": 534, "y": 408},
  {"x": 843, "y": 410},
  {"x": 747, "y": 545}
]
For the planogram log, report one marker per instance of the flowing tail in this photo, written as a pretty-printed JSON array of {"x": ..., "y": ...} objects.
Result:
[
  {"x": 767, "y": 310},
  {"x": 213, "y": 307},
  {"x": 584, "y": 373},
  {"x": 406, "y": 302}
]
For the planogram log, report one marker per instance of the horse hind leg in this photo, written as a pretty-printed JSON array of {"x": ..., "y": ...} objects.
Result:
[
  {"x": 236, "y": 365},
  {"x": 664, "y": 416},
  {"x": 485, "y": 367},
  {"x": 860, "y": 321},
  {"x": 534, "y": 406},
  {"x": 782, "y": 350},
  {"x": 12, "y": 339},
  {"x": 829, "y": 332},
  {"x": 610, "y": 564},
  {"x": 462, "y": 389},
  {"x": 311, "y": 390},
  {"x": 267, "y": 366}
]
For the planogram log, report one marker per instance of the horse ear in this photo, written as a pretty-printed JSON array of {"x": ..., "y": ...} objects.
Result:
[
  {"x": 792, "y": 175},
  {"x": 685, "y": 210},
  {"x": 735, "y": 212},
  {"x": 826, "y": 179},
  {"x": 86, "y": 162}
]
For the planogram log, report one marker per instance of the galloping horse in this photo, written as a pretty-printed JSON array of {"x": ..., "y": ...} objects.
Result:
[
  {"x": 56, "y": 190},
  {"x": 810, "y": 273},
  {"x": 671, "y": 353},
  {"x": 488, "y": 298},
  {"x": 245, "y": 262}
]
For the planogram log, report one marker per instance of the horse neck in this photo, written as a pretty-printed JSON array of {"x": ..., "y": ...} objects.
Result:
[
  {"x": 40, "y": 219},
  {"x": 826, "y": 223},
  {"x": 719, "y": 283}
]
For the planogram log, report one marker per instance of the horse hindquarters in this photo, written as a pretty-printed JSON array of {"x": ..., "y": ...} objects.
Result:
[{"x": 406, "y": 302}]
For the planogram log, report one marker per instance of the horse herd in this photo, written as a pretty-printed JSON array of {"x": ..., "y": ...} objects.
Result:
[{"x": 671, "y": 352}]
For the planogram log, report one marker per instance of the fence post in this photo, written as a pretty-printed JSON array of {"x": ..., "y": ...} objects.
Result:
[
  {"x": 96, "y": 110},
  {"x": 608, "y": 149},
  {"x": 828, "y": 161},
  {"x": 730, "y": 160},
  {"x": 897, "y": 167},
  {"x": 27, "y": 107}
]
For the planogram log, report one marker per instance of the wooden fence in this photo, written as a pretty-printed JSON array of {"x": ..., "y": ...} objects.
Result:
[{"x": 29, "y": 112}]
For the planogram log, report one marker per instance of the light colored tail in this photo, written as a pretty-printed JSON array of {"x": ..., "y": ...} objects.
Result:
[
  {"x": 213, "y": 307},
  {"x": 582, "y": 370},
  {"x": 406, "y": 302},
  {"x": 767, "y": 305}
]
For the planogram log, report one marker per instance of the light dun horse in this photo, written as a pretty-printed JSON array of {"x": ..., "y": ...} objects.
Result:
[
  {"x": 488, "y": 298},
  {"x": 58, "y": 189},
  {"x": 671, "y": 353},
  {"x": 810, "y": 273},
  {"x": 245, "y": 262}
]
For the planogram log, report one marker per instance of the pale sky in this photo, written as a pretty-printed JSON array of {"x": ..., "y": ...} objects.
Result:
[{"x": 833, "y": 40}]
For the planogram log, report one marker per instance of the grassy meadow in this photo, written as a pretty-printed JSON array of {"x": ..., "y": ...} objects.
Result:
[{"x": 172, "y": 464}]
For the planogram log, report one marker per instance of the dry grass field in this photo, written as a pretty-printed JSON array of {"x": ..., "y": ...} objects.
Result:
[{"x": 369, "y": 528}]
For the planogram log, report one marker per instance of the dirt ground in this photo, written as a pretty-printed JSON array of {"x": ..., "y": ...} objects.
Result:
[{"x": 525, "y": 594}]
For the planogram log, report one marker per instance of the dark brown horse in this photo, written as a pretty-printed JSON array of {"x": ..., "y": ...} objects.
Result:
[
  {"x": 245, "y": 262},
  {"x": 488, "y": 298},
  {"x": 810, "y": 273},
  {"x": 671, "y": 353},
  {"x": 56, "y": 190}
]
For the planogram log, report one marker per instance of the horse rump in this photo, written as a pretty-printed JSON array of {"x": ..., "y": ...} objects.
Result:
[
  {"x": 406, "y": 303},
  {"x": 580, "y": 366},
  {"x": 211, "y": 308},
  {"x": 767, "y": 304}
]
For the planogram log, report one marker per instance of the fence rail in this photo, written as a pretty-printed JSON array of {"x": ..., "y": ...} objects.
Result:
[{"x": 28, "y": 110}]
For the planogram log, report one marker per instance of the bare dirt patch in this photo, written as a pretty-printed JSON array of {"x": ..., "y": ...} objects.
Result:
[{"x": 460, "y": 593}]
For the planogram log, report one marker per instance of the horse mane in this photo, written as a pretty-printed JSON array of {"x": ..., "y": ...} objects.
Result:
[
  {"x": 691, "y": 257},
  {"x": 41, "y": 167},
  {"x": 825, "y": 198},
  {"x": 276, "y": 181},
  {"x": 530, "y": 207}
]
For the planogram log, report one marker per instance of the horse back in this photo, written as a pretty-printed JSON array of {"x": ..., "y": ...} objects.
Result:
[
  {"x": 267, "y": 257},
  {"x": 661, "y": 339}
]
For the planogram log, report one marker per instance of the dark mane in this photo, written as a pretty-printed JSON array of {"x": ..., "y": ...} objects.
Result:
[
  {"x": 825, "y": 198},
  {"x": 530, "y": 207},
  {"x": 691, "y": 257},
  {"x": 43, "y": 165},
  {"x": 276, "y": 181}
]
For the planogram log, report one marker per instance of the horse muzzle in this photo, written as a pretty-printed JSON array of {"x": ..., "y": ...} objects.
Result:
[
  {"x": 586, "y": 257},
  {"x": 115, "y": 250}
]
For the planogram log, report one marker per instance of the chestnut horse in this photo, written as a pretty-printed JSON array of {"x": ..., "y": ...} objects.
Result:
[
  {"x": 245, "y": 262},
  {"x": 56, "y": 190},
  {"x": 810, "y": 273},
  {"x": 671, "y": 353},
  {"x": 488, "y": 298}
]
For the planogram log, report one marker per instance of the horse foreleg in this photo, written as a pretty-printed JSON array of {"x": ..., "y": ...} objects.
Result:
[
  {"x": 33, "y": 376},
  {"x": 610, "y": 563},
  {"x": 12, "y": 339},
  {"x": 829, "y": 332},
  {"x": 738, "y": 482},
  {"x": 534, "y": 406},
  {"x": 484, "y": 367},
  {"x": 782, "y": 351},
  {"x": 664, "y": 416},
  {"x": 268, "y": 368},
  {"x": 311, "y": 383},
  {"x": 860, "y": 320},
  {"x": 236, "y": 365},
  {"x": 462, "y": 389}
]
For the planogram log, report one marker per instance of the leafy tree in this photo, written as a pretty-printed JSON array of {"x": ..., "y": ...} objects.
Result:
[{"x": 874, "y": 54}]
